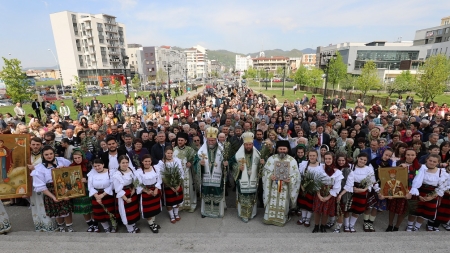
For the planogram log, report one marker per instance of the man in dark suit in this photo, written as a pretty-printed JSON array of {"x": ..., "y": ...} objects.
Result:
[
  {"x": 372, "y": 151},
  {"x": 284, "y": 108},
  {"x": 114, "y": 153},
  {"x": 326, "y": 104},
  {"x": 94, "y": 101},
  {"x": 37, "y": 108},
  {"x": 322, "y": 137},
  {"x": 157, "y": 151},
  {"x": 335, "y": 102}
]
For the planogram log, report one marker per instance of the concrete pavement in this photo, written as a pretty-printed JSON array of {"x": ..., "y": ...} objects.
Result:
[{"x": 229, "y": 234}]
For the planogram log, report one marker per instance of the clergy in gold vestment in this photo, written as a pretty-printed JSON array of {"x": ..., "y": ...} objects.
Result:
[{"x": 281, "y": 183}]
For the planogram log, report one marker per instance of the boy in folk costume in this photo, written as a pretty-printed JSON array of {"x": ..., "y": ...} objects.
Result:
[
  {"x": 246, "y": 175},
  {"x": 187, "y": 155},
  {"x": 210, "y": 167},
  {"x": 281, "y": 183}
]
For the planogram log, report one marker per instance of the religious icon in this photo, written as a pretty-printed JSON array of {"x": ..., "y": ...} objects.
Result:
[
  {"x": 393, "y": 181},
  {"x": 15, "y": 181},
  {"x": 282, "y": 170},
  {"x": 67, "y": 182}
]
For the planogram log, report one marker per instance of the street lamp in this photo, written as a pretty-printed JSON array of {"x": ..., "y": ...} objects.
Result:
[
  {"x": 185, "y": 72},
  {"x": 125, "y": 60},
  {"x": 284, "y": 77},
  {"x": 267, "y": 75},
  {"x": 327, "y": 57},
  {"x": 168, "y": 67},
  {"x": 59, "y": 70}
]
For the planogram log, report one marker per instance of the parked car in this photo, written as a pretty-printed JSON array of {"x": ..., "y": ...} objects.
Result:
[{"x": 5, "y": 103}]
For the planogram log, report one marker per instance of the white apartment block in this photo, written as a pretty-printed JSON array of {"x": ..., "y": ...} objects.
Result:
[
  {"x": 88, "y": 46},
  {"x": 243, "y": 62},
  {"x": 197, "y": 64}
]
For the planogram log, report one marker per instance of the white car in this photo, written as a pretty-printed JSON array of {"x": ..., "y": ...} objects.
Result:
[{"x": 5, "y": 103}]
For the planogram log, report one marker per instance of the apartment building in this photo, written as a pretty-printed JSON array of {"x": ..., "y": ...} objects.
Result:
[
  {"x": 435, "y": 39},
  {"x": 308, "y": 60},
  {"x": 243, "y": 62},
  {"x": 197, "y": 62},
  {"x": 90, "y": 46},
  {"x": 151, "y": 60}
]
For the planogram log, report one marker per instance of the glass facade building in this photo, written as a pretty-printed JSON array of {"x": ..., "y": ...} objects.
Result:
[{"x": 384, "y": 58}]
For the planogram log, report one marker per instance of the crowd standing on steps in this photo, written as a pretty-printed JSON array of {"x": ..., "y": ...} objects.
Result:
[{"x": 157, "y": 150}]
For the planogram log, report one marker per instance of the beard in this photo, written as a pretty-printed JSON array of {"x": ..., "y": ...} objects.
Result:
[
  {"x": 282, "y": 155},
  {"x": 212, "y": 146},
  {"x": 248, "y": 151}
]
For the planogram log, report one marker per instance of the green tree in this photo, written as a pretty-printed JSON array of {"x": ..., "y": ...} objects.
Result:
[
  {"x": 315, "y": 77},
  {"x": 116, "y": 87},
  {"x": 161, "y": 77},
  {"x": 15, "y": 80},
  {"x": 79, "y": 88},
  {"x": 432, "y": 77},
  {"x": 279, "y": 72},
  {"x": 403, "y": 83},
  {"x": 368, "y": 80},
  {"x": 337, "y": 70},
  {"x": 136, "y": 82},
  {"x": 301, "y": 76},
  {"x": 348, "y": 82},
  {"x": 251, "y": 73}
]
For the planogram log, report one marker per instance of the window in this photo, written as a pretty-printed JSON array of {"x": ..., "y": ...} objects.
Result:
[
  {"x": 102, "y": 41},
  {"x": 151, "y": 54},
  {"x": 447, "y": 29},
  {"x": 153, "y": 62},
  {"x": 131, "y": 55},
  {"x": 439, "y": 32}
]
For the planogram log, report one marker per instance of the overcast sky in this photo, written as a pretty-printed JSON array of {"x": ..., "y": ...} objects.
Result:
[{"x": 244, "y": 26}]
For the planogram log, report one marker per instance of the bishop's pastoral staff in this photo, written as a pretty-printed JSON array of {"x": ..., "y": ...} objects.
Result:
[
  {"x": 281, "y": 182},
  {"x": 246, "y": 175}
]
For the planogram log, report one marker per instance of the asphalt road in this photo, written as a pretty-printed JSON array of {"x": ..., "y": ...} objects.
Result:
[{"x": 229, "y": 234}]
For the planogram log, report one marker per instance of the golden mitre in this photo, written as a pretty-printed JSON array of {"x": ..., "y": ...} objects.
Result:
[
  {"x": 248, "y": 137},
  {"x": 212, "y": 132}
]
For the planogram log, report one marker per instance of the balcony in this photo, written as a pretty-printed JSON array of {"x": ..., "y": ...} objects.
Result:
[
  {"x": 100, "y": 29},
  {"x": 112, "y": 30},
  {"x": 88, "y": 27}
]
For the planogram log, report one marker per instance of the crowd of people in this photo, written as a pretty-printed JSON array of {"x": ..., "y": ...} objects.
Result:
[{"x": 289, "y": 158}]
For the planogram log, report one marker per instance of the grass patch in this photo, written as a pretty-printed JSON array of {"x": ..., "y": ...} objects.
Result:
[{"x": 48, "y": 83}]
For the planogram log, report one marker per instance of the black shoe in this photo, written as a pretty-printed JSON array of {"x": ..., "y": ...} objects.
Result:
[
  {"x": 389, "y": 228},
  {"x": 323, "y": 229},
  {"x": 203, "y": 216},
  {"x": 154, "y": 228},
  {"x": 158, "y": 226},
  {"x": 395, "y": 229},
  {"x": 316, "y": 229}
]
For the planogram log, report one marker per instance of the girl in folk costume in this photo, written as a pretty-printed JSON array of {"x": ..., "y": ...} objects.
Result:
[
  {"x": 364, "y": 181},
  {"x": 173, "y": 194},
  {"x": 325, "y": 200},
  {"x": 83, "y": 205},
  {"x": 399, "y": 206},
  {"x": 374, "y": 203},
  {"x": 345, "y": 194},
  {"x": 42, "y": 222},
  {"x": 128, "y": 200},
  {"x": 428, "y": 185},
  {"x": 305, "y": 200},
  {"x": 150, "y": 202},
  {"x": 443, "y": 212},
  {"x": 101, "y": 192},
  {"x": 43, "y": 182}
]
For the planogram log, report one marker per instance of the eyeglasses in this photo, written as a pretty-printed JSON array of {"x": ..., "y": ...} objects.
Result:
[{"x": 196, "y": 140}]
